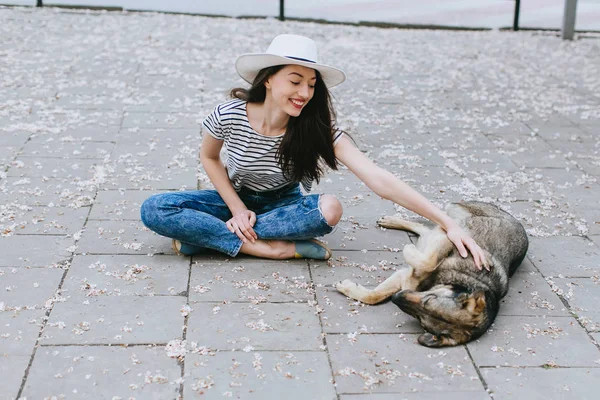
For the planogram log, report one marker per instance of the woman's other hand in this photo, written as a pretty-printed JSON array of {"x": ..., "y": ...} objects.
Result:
[{"x": 241, "y": 224}]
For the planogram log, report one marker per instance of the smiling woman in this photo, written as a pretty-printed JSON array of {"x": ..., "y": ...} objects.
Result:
[{"x": 279, "y": 134}]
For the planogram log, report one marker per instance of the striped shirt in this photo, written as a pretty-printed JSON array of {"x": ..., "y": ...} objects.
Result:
[{"x": 251, "y": 160}]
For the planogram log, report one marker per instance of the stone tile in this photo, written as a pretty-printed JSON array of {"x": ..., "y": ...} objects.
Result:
[
  {"x": 379, "y": 364},
  {"x": 344, "y": 315},
  {"x": 155, "y": 120},
  {"x": 139, "y": 151},
  {"x": 341, "y": 181},
  {"x": 19, "y": 331},
  {"x": 479, "y": 395},
  {"x": 541, "y": 383},
  {"x": 161, "y": 138},
  {"x": 530, "y": 294},
  {"x": 116, "y": 275},
  {"x": 122, "y": 320},
  {"x": 590, "y": 165},
  {"x": 555, "y": 133},
  {"x": 39, "y": 191},
  {"x": 51, "y": 147},
  {"x": 12, "y": 370},
  {"x": 367, "y": 268},
  {"x": 102, "y": 372},
  {"x": 121, "y": 237},
  {"x": 367, "y": 206},
  {"x": 251, "y": 281},
  {"x": 361, "y": 233},
  {"x": 542, "y": 159},
  {"x": 259, "y": 375},
  {"x": 48, "y": 221},
  {"x": 542, "y": 219},
  {"x": 268, "y": 326},
  {"x": 566, "y": 256},
  {"x": 15, "y": 139},
  {"x": 53, "y": 168},
  {"x": 94, "y": 133},
  {"x": 34, "y": 251},
  {"x": 583, "y": 295},
  {"x": 534, "y": 341},
  {"x": 518, "y": 143},
  {"x": 154, "y": 174},
  {"x": 28, "y": 287},
  {"x": 119, "y": 204}
]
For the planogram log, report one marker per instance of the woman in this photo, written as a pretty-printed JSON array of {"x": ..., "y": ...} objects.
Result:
[{"x": 279, "y": 134}]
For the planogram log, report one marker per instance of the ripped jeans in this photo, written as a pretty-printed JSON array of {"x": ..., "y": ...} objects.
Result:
[{"x": 198, "y": 218}]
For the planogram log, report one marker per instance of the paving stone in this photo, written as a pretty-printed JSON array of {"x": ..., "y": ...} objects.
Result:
[
  {"x": 561, "y": 134},
  {"x": 12, "y": 369},
  {"x": 119, "y": 204},
  {"x": 149, "y": 150},
  {"x": 117, "y": 275},
  {"x": 115, "y": 320},
  {"x": 28, "y": 287},
  {"x": 534, "y": 341},
  {"x": 583, "y": 295},
  {"x": 518, "y": 143},
  {"x": 15, "y": 139},
  {"x": 161, "y": 138},
  {"x": 344, "y": 315},
  {"x": 47, "y": 221},
  {"x": 251, "y": 281},
  {"x": 541, "y": 219},
  {"x": 154, "y": 120},
  {"x": 153, "y": 174},
  {"x": 121, "y": 237},
  {"x": 530, "y": 294},
  {"x": 367, "y": 268},
  {"x": 541, "y": 384},
  {"x": 19, "y": 331},
  {"x": 268, "y": 326},
  {"x": 480, "y": 395},
  {"x": 51, "y": 147},
  {"x": 53, "y": 168},
  {"x": 258, "y": 375},
  {"x": 34, "y": 251},
  {"x": 566, "y": 256},
  {"x": 361, "y": 233},
  {"x": 542, "y": 159},
  {"x": 341, "y": 182},
  {"x": 40, "y": 191},
  {"x": 397, "y": 364},
  {"x": 101, "y": 371},
  {"x": 94, "y": 133}
]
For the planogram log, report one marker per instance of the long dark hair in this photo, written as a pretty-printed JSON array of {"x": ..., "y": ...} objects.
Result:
[{"x": 307, "y": 145}]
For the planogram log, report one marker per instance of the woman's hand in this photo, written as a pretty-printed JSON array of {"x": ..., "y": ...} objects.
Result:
[
  {"x": 463, "y": 241},
  {"x": 241, "y": 224}
]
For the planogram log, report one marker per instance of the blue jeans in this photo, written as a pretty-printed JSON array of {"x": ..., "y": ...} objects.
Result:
[{"x": 197, "y": 218}]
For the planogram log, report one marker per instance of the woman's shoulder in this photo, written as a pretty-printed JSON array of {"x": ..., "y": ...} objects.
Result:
[{"x": 231, "y": 106}]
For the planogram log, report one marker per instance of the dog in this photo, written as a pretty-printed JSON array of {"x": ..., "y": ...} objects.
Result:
[{"x": 453, "y": 300}]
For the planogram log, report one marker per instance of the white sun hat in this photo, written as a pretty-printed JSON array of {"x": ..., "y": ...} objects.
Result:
[{"x": 285, "y": 50}]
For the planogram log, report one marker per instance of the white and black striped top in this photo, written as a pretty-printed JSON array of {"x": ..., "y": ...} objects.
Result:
[{"x": 251, "y": 160}]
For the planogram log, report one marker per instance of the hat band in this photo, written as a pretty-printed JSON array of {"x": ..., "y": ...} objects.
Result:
[{"x": 301, "y": 59}]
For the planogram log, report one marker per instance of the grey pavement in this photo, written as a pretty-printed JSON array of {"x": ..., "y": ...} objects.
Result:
[{"x": 100, "y": 110}]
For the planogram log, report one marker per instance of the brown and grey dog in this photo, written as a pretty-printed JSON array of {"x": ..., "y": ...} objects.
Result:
[{"x": 451, "y": 298}]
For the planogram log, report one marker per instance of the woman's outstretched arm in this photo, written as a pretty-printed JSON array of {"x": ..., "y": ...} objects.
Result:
[{"x": 388, "y": 186}]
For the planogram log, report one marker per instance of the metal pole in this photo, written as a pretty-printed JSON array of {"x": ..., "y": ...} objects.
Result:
[
  {"x": 568, "y": 26},
  {"x": 281, "y": 7},
  {"x": 517, "y": 11},
  {"x": 39, "y": 3}
]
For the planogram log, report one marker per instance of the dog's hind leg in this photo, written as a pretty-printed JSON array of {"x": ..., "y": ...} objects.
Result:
[
  {"x": 402, "y": 224},
  {"x": 399, "y": 280},
  {"x": 432, "y": 246}
]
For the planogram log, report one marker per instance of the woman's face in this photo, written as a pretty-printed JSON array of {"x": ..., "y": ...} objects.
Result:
[{"x": 291, "y": 88}]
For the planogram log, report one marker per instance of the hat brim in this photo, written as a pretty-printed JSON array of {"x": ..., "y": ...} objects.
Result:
[{"x": 248, "y": 66}]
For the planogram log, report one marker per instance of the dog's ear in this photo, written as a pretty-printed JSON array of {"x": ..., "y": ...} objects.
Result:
[
  {"x": 476, "y": 303},
  {"x": 429, "y": 340}
]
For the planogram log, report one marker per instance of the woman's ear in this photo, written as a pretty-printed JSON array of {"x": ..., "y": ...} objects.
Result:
[{"x": 268, "y": 84}]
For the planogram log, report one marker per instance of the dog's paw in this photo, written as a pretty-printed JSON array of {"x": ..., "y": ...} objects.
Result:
[
  {"x": 386, "y": 221},
  {"x": 346, "y": 287}
]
